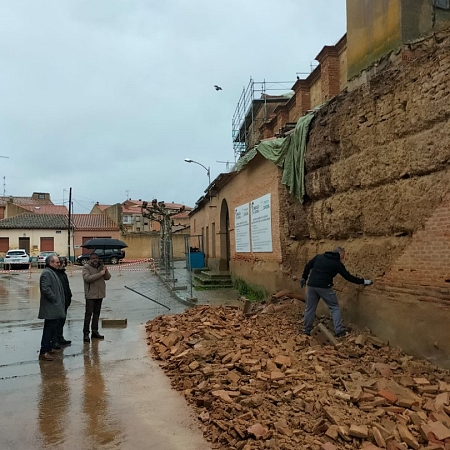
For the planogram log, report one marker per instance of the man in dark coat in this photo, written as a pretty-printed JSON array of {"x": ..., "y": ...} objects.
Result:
[
  {"x": 94, "y": 276},
  {"x": 324, "y": 268},
  {"x": 60, "y": 340},
  {"x": 51, "y": 307}
]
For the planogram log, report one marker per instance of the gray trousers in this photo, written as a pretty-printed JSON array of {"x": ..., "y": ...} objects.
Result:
[
  {"x": 313, "y": 295},
  {"x": 93, "y": 308}
]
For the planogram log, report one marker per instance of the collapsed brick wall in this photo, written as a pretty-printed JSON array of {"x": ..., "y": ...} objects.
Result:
[{"x": 377, "y": 176}]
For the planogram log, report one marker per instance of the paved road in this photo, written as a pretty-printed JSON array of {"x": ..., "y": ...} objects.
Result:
[{"x": 101, "y": 395}]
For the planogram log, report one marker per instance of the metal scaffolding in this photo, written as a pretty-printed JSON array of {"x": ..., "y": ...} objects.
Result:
[{"x": 253, "y": 98}]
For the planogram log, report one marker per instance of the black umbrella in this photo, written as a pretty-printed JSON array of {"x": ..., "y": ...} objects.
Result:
[{"x": 104, "y": 243}]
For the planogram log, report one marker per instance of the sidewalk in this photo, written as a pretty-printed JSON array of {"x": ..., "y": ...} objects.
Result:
[{"x": 181, "y": 285}]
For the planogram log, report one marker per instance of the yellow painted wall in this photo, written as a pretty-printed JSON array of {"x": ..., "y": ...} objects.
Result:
[
  {"x": 59, "y": 239},
  {"x": 145, "y": 245},
  {"x": 373, "y": 30},
  {"x": 376, "y": 27}
]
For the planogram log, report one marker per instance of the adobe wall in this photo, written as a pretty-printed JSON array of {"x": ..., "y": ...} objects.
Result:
[{"x": 378, "y": 181}]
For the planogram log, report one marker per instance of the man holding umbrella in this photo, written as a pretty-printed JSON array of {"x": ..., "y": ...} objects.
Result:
[{"x": 94, "y": 276}]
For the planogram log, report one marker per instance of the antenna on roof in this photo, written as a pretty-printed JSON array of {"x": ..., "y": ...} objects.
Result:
[
  {"x": 128, "y": 193},
  {"x": 227, "y": 163}
]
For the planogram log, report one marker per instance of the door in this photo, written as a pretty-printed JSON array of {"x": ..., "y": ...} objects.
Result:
[
  {"x": 224, "y": 236},
  {"x": 24, "y": 242}
]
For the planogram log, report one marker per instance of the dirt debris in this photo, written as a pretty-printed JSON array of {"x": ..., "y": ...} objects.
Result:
[{"x": 256, "y": 382}]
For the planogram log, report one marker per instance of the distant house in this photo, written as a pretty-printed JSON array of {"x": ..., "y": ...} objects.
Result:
[
  {"x": 39, "y": 202},
  {"x": 89, "y": 226},
  {"x": 130, "y": 219},
  {"x": 34, "y": 233},
  {"x": 50, "y": 232}
]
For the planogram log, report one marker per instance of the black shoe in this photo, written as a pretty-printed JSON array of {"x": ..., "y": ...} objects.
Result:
[
  {"x": 97, "y": 335},
  {"x": 56, "y": 346},
  {"x": 86, "y": 338},
  {"x": 306, "y": 333},
  {"x": 343, "y": 333},
  {"x": 64, "y": 342}
]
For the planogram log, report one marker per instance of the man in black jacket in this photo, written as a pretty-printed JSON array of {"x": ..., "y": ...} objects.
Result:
[
  {"x": 60, "y": 340},
  {"x": 324, "y": 268}
]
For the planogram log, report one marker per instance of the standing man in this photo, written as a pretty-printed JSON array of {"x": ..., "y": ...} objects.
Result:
[
  {"x": 51, "y": 307},
  {"x": 94, "y": 276},
  {"x": 324, "y": 268},
  {"x": 60, "y": 340}
]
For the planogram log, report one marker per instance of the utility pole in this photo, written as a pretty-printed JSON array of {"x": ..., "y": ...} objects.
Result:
[{"x": 69, "y": 223}]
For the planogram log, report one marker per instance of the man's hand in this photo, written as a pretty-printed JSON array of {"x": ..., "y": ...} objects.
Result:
[
  {"x": 368, "y": 282},
  {"x": 302, "y": 283},
  {"x": 103, "y": 271}
]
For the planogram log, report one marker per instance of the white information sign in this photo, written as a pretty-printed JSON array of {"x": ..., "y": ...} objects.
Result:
[
  {"x": 261, "y": 224},
  {"x": 242, "y": 228}
]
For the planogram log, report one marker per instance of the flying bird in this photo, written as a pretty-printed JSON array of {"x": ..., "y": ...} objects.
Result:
[{"x": 217, "y": 88}]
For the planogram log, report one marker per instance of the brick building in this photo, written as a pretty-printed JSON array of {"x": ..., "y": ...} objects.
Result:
[{"x": 377, "y": 176}]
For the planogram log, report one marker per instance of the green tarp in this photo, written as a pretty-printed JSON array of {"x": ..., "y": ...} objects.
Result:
[{"x": 287, "y": 153}]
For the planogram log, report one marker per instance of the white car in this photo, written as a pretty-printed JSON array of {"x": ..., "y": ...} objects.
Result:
[
  {"x": 16, "y": 259},
  {"x": 42, "y": 257}
]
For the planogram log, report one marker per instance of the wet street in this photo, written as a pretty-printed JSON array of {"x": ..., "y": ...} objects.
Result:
[{"x": 100, "y": 395}]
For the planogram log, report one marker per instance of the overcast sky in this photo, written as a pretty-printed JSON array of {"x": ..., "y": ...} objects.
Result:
[{"x": 110, "y": 96}]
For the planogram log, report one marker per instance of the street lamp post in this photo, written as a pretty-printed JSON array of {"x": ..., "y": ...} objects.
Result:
[{"x": 188, "y": 160}]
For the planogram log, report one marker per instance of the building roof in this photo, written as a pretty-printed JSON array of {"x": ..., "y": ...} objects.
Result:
[
  {"x": 21, "y": 201},
  {"x": 35, "y": 221},
  {"x": 102, "y": 207},
  {"x": 47, "y": 209},
  {"x": 182, "y": 215},
  {"x": 93, "y": 222}
]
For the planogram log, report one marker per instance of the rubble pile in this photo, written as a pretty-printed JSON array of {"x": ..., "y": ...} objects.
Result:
[{"x": 257, "y": 383}]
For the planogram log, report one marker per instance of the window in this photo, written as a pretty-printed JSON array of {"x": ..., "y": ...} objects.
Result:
[
  {"x": 138, "y": 218},
  {"x": 127, "y": 219},
  {"x": 41, "y": 196},
  {"x": 47, "y": 244}
]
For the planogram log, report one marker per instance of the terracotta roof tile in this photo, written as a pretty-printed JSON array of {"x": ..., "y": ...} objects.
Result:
[
  {"x": 181, "y": 215},
  {"x": 35, "y": 221},
  {"x": 93, "y": 222},
  {"x": 21, "y": 201},
  {"x": 102, "y": 207}
]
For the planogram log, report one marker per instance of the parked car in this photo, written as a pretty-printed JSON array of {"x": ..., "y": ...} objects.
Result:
[
  {"x": 42, "y": 257},
  {"x": 16, "y": 259},
  {"x": 112, "y": 256}
]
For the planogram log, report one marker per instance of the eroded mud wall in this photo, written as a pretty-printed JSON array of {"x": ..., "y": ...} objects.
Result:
[{"x": 377, "y": 181}]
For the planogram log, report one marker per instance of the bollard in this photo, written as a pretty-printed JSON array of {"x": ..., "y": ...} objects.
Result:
[
  {"x": 29, "y": 270},
  {"x": 120, "y": 261}
]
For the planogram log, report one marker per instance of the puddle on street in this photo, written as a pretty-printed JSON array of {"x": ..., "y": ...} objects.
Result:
[{"x": 105, "y": 394}]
